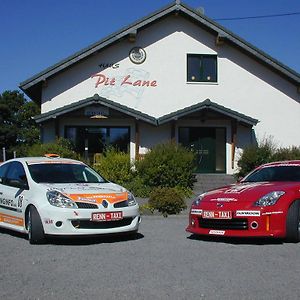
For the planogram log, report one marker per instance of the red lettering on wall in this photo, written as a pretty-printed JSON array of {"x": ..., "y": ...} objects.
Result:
[{"x": 104, "y": 80}]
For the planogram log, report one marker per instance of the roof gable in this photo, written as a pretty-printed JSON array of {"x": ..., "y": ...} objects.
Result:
[{"x": 33, "y": 86}]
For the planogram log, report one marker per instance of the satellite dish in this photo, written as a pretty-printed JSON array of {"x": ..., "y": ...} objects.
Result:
[{"x": 200, "y": 10}]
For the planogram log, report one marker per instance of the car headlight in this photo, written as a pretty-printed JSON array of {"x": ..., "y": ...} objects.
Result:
[
  {"x": 131, "y": 200},
  {"x": 269, "y": 199},
  {"x": 58, "y": 199},
  {"x": 197, "y": 201}
]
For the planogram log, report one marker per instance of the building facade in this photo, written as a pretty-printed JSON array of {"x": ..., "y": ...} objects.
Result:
[{"x": 174, "y": 75}]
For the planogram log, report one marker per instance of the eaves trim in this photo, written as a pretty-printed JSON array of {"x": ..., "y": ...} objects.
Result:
[
  {"x": 207, "y": 104},
  {"x": 96, "y": 99}
]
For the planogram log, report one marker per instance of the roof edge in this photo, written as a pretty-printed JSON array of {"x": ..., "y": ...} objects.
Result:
[
  {"x": 96, "y": 99},
  {"x": 211, "y": 105}
]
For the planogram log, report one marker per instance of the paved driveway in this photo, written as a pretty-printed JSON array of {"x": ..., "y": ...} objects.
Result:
[{"x": 164, "y": 262}]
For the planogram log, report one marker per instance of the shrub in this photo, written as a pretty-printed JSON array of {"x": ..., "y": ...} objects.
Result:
[
  {"x": 264, "y": 152},
  {"x": 115, "y": 166},
  {"x": 168, "y": 165},
  {"x": 289, "y": 153},
  {"x": 255, "y": 155},
  {"x": 62, "y": 147},
  {"x": 138, "y": 187},
  {"x": 167, "y": 200}
]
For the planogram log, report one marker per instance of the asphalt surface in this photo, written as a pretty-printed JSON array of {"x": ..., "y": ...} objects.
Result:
[{"x": 163, "y": 262}]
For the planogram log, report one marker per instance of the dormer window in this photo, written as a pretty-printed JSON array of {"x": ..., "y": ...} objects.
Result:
[{"x": 201, "y": 68}]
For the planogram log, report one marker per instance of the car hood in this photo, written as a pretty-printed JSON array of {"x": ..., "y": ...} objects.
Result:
[
  {"x": 90, "y": 192},
  {"x": 248, "y": 191}
]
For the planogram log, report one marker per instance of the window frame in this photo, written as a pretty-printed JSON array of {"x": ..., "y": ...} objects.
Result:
[{"x": 201, "y": 72}]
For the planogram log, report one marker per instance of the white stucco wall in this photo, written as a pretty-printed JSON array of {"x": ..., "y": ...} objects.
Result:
[{"x": 243, "y": 85}]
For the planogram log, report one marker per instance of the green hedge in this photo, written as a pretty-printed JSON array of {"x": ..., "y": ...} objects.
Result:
[
  {"x": 115, "y": 166},
  {"x": 168, "y": 165},
  {"x": 168, "y": 201},
  {"x": 62, "y": 147}
]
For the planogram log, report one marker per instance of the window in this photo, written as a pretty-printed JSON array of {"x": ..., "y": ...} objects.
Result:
[
  {"x": 16, "y": 173},
  {"x": 64, "y": 173},
  {"x": 97, "y": 139},
  {"x": 3, "y": 170},
  {"x": 201, "y": 68}
]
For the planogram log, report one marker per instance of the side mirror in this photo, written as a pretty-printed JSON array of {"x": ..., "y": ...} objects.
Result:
[{"x": 18, "y": 184}]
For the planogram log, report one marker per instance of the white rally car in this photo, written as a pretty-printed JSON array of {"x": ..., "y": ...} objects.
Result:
[{"x": 56, "y": 196}]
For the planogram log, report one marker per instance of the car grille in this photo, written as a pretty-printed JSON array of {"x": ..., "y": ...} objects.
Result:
[
  {"x": 86, "y": 224},
  {"x": 121, "y": 204},
  {"x": 233, "y": 224},
  {"x": 86, "y": 205}
]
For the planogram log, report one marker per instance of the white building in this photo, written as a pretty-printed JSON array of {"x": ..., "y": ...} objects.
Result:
[{"x": 175, "y": 74}]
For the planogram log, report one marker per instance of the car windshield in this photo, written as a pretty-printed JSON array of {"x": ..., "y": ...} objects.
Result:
[
  {"x": 63, "y": 173},
  {"x": 274, "y": 173}
]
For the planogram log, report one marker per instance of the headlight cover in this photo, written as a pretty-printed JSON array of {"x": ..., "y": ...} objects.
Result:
[
  {"x": 269, "y": 199},
  {"x": 131, "y": 200},
  {"x": 58, "y": 199},
  {"x": 197, "y": 201}
]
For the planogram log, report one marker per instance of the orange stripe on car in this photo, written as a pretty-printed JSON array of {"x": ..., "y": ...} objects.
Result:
[
  {"x": 98, "y": 198},
  {"x": 11, "y": 220}
]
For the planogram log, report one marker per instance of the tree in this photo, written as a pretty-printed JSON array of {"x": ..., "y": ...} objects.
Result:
[{"x": 17, "y": 128}]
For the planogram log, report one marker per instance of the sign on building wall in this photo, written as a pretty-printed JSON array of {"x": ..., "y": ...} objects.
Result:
[{"x": 96, "y": 111}]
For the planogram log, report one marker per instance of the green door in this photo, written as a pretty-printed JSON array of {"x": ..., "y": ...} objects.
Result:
[{"x": 209, "y": 145}]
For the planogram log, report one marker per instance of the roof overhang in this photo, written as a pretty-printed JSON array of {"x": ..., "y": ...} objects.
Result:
[
  {"x": 207, "y": 104},
  {"x": 137, "y": 115},
  {"x": 96, "y": 99}
]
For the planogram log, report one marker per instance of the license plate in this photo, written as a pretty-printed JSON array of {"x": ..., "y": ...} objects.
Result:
[
  {"x": 216, "y": 214},
  {"x": 107, "y": 216}
]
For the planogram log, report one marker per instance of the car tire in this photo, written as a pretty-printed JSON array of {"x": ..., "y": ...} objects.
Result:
[
  {"x": 35, "y": 228},
  {"x": 293, "y": 223}
]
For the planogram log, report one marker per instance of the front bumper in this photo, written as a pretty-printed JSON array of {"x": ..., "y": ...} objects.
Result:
[
  {"x": 76, "y": 222},
  {"x": 260, "y": 222}
]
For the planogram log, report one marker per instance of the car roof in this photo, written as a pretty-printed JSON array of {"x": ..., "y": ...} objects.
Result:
[
  {"x": 43, "y": 159},
  {"x": 282, "y": 163}
]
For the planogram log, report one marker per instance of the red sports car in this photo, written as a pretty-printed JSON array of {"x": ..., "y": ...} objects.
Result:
[{"x": 266, "y": 203}]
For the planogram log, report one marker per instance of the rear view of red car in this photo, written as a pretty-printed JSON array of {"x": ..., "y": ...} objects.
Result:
[{"x": 266, "y": 203}]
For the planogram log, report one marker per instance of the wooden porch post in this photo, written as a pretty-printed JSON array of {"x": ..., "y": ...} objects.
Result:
[
  {"x": 173, "y": 127},
  {"x": 56, "y": 126},
  {"x": 233, "y": 140},
  {"x": 137, "y": 139}
]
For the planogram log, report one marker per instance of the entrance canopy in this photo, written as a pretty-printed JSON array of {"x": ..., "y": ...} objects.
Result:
[
  {"x": 202, "y": 110},
  {"x": 205, "y": 110}
]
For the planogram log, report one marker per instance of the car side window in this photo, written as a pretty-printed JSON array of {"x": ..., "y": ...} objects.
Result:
[
  {"x": 3, "y": 170},
  {"x": 15, "y": 172}
]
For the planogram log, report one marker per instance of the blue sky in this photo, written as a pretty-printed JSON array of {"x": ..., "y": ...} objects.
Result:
[{"x": 36, "y": 34}]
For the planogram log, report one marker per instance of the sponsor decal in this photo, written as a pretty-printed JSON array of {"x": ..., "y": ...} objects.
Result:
[
  {"x": 217, "y": 232},
  {"x": 11, "y": 220},
  {"x": 281, "y": 165},
  {"x": 48, "y": 221},
  {"x": 272, "y": 213},
  {"x": 237, "y": 189},
  {"x": 196, "y": 211},
  {"x": 98, "y": 198},
  {"x": 224, "y": 199},
  {"x": 54, "y": 162},
  {"x": 10, "y": 204},
  {"x": 247, "y": 213}
]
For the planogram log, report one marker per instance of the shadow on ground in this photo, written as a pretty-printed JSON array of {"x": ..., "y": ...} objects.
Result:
[
  {"x": 78, "y": 241},
  {"x": 237, "y": 241}
]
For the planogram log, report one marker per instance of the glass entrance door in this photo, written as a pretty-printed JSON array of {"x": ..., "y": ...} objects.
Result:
[{"x": 209, "y": 145}]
